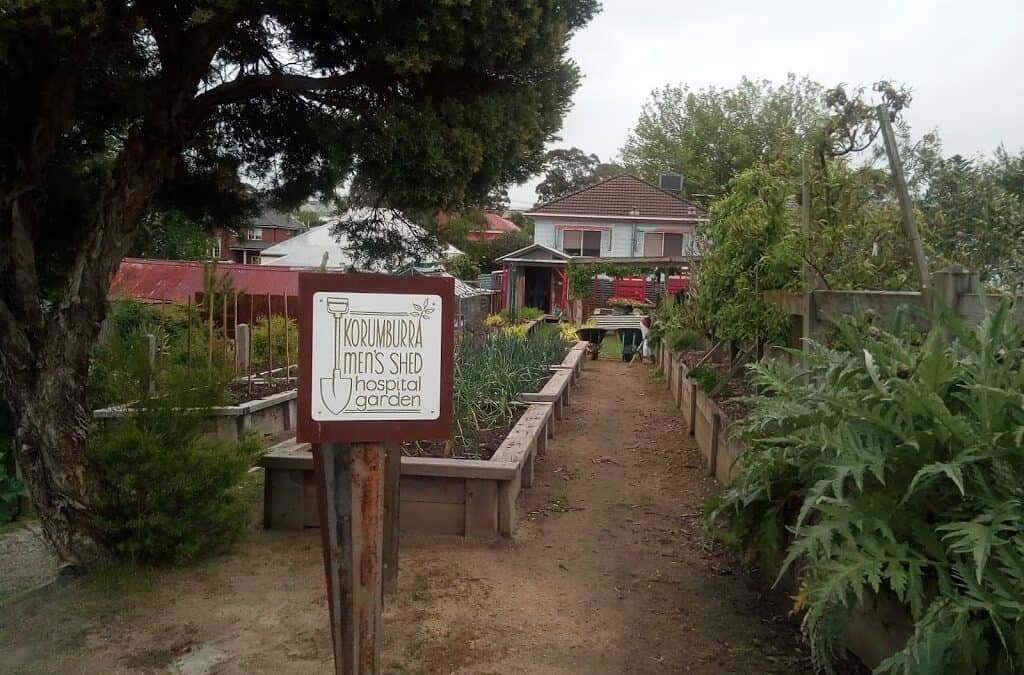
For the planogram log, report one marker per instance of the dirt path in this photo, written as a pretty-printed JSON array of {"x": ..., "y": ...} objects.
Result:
[{"x": 608, "y": 573}]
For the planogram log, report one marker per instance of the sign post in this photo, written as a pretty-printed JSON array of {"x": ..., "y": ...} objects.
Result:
[{"x": 375, "y": 369}]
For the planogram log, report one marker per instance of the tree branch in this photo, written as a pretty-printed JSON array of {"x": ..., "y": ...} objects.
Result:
[{"x": 246, "y": 86}]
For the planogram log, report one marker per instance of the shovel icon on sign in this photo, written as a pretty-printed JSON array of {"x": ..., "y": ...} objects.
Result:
[{"x": 336, "y": 391}]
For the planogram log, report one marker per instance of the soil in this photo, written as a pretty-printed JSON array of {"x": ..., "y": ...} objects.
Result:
[
  {"x": 242, "y": 391},
  {"x": 608, "y": 572},
  {"x": 483, "y": 445}
]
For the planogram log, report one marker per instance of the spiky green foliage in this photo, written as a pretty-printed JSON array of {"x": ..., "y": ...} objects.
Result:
[
  {"x": 896, "y": 467},
  {"x": 489, "y": 377}
]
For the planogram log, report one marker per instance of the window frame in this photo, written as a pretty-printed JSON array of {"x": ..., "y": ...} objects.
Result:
[{"x": 581, "y": 250}]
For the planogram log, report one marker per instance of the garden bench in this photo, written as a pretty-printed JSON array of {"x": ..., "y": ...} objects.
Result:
[
  {"x": 616, "y": 321},
  {"x": 555, "y": 391}
]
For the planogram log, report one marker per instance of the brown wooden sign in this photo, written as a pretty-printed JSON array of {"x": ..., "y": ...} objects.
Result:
[
  {"x": 376, "y": 363},
  {"x": 376, "y": 358}
]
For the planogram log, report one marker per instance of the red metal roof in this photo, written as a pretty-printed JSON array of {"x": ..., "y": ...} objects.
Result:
[{"x": 177, "y": 280}]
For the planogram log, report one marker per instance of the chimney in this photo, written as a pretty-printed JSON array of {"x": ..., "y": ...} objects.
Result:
[{"x": 671, "y": 182}]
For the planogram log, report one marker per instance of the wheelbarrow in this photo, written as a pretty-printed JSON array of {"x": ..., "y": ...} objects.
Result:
[
  {"x": 631, "y": 339},
  {"x": 594, "y": 338}
]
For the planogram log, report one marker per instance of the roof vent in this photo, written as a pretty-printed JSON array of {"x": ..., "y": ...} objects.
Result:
[{"x": 672, "y": 182}]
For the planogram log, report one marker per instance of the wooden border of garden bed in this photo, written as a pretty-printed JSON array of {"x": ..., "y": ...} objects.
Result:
[
  {"x": 472, "y": 498},
  {"x": 269, "y": 415},
  {"x": 880, "y": 625}
]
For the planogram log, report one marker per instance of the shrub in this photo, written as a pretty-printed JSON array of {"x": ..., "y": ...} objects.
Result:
[
  {"x": 706, "y": 378},
  {"x": 463, "y": 266},
  {"x": 496, "y": 320},
  {"x": 897, "y": 467},
  {"x": 529, "y": 313},
  {"x": 681, "y": 339},
  {"x": 167, "y": 495},
  {"x": 568, "y": 332}
]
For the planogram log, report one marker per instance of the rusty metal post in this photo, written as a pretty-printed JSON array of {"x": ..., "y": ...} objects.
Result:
[
  {"x": 350, "y": 491},
  {"x": 392, "y": 503}
]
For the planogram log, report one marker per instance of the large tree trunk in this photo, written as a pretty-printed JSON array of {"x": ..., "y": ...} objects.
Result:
[
  {"x": 50, "y": 451},
  {"x": 45, "y": 359}
]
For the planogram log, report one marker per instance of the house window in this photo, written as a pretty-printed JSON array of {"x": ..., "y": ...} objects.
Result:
[
  {"x": 582, "y": 242},
  {"x": 657, "y": 244},
  {"x": 256, "y": 234},
  {"x": 215, "y": 250}
]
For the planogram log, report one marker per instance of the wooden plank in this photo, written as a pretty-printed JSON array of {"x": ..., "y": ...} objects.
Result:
[
  {"x": 434, "y": 490},
  {"x": 481, "y": 508},
  {"x": 287, "y": 499},
  {"x": 410, "y": 466},
  {"x": 433, "y": 518},
  {"x": 461, "y": 468},
  {"x": 508, "y": 492},
  {"x": 392, "y": 499}
]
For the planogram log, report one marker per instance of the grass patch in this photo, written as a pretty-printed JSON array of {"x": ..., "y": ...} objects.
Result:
[{"x": 611, "y": 347}]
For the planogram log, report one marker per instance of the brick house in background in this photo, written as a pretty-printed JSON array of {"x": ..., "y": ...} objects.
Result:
[{"x": 244, "y": 245}]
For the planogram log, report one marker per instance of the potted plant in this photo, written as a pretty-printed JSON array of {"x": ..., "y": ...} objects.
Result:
[{"x": 621, "y": 306}]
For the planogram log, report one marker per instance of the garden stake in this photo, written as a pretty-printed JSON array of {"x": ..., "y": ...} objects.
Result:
[
  {"x": 270, "y": 344},
  {"x": 188, "y": 338},
  {"x": 287, "y": 351},
  {"x": 248, "y": 361},
  {"x": 235, "y": 320},
  {"x": 224, "y": 327},
  {"x": 209, "y": 347}
]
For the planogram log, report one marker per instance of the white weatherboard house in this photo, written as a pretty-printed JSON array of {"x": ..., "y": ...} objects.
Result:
[
  {"x": 622, "y": 220},
  {"x": 621, "y": 217}
]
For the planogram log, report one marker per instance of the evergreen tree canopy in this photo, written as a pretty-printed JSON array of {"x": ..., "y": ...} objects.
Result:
[{"x": 111, "y": 109}]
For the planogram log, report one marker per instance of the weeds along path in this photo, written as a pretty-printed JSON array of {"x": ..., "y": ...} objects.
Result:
[{"x": 608, "y": 573}]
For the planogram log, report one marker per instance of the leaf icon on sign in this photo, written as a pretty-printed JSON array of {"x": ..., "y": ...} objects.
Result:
[{"x": 423, "y": 311}]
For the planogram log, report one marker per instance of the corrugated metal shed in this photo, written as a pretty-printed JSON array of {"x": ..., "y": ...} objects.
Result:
[{"x": 177, "y": 280}]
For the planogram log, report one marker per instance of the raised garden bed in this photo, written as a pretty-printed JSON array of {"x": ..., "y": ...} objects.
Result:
[
  {"x": 467, "y": 497},
  {"x": 879, "y": 625},
  {"x": 268, "y": 415}
]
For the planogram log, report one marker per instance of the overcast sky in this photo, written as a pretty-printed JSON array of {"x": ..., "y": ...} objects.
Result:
[{"x": 963, "y": 61}]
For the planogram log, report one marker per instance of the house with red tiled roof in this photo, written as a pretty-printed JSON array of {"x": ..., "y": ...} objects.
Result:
[
  {"x": 622, "y": 220},
  {"x": 492, "y": 227},
  {"x": 620, "y": 217}
]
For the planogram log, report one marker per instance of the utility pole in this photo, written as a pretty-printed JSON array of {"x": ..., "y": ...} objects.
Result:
[{"x": 906, "y": 206}]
